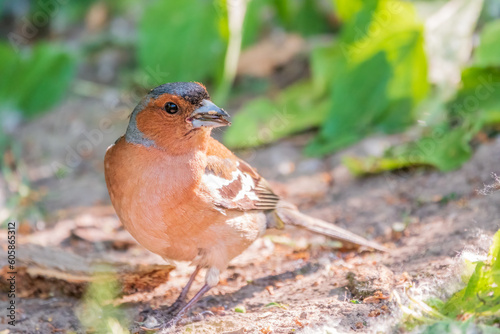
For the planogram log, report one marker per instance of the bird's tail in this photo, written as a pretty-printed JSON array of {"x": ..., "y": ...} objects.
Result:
[{"x": 289, "y": 215}]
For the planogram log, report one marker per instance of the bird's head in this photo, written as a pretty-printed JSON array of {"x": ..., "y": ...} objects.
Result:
[{"x": 175, "y": 116}]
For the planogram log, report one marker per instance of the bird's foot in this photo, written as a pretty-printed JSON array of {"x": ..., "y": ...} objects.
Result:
[
  {"x": 164, "y": 325},
  {"x": 163, "y": 310},
  {"x": 159, "y": 321},
  {"x": 169, "y": 325},
  {"x": 159, "y": 318},
  {"x": 195, "y": 318}
]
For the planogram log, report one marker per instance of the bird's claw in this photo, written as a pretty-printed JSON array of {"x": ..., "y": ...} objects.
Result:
[
  {"x": 161, "y": 318},
  {"x": 152, "y": 323},
  {"x": 166, "y": 327},
  {"x": 158, "y": 313}
]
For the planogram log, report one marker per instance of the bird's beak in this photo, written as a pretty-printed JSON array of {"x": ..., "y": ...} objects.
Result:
[{"x": 209, "y": 115}]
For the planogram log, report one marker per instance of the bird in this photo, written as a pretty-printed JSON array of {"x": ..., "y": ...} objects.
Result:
[{"x": 186, "y": 197}]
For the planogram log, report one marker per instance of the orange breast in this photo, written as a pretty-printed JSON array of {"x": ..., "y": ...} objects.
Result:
[{"x": 156, "y": 198}]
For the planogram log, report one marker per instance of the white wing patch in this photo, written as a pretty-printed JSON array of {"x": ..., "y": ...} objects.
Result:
[
  {"x": 239, "y": 187},
  {"x": 215, "y": 182},
  {"x": 247, "y": 188},
  {"x": 234, "y": 185}
]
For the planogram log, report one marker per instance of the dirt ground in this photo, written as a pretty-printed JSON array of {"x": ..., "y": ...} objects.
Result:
[{"x": 289, "y": 282}]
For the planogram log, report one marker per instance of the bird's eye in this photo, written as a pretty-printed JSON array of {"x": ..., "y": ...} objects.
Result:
[{"x": 171, "y": 108}]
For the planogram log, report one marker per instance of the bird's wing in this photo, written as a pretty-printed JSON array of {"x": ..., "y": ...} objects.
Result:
[{"x": 233, "y": 184}]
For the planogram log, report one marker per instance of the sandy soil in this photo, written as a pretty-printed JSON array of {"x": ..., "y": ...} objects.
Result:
[{"x": 313, "y": 287}]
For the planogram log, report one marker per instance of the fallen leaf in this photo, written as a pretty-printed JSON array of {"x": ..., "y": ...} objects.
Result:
[
  {"x": 375, "y": 313},
  {"x": 218, "y": 310},
  {"x": 266, "y": 330},
  {"x": 298, "y": 322},
  {"x": 375, "y": 299},
  {"x": 404, "y": 278},
  {"x": 371, "y": 300},
  {"x": 298, "y": 255}
]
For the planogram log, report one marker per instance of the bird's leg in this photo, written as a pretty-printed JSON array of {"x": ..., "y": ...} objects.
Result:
[
  {"x": 186, "y": 307},
  {"x": 211, "y": 280},
  {"x": 181, "y": 300}
]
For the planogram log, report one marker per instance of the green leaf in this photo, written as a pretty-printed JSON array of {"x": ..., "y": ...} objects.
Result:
[
  {"x": 181, "y": 41},
  {"x": 37, "y": 79},
  {"x": 262, "y": 121},
  {"x": 481, "y": 296},
  {"x": 254, "y": 21},
  {"x": 488, "y": 51},
  {"x": 479, "y": 301},
  {"x": 454, "y": 327},
  {"x": 284, "y": 10},
  {"x": 356, "y": 28},
  {"x": 358, "y": 101},
  {"x": 370, "y": 80},
  {"x": 346, "y": 9},
  {"x": 372, "y": 95},
  {"x": 372, "y": 165},
  {"x": 308, "y": 18},
  {"x": 276, "y": 304},
  {"x": 478, "y": 95},
  {"x": 444, "y": 148},
  {"x": 240, "y": 309},
  {"x": 395, "y": 29},
  {"x": 326, "y": 65}
]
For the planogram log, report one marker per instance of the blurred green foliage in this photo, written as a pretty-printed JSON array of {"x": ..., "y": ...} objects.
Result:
[
  {"x": 97, "y": 312},
  {"x": 184, "y": 47},
  {"x": 488, "y": 52},
  {"x": 373, "y": 77},
  {"x": 306, "y": 17},
  {"x": 369, "y": 75},
  {"x": 289, "y": 112},
  {"x": 455, "y": 327},
  {"x": 188, "y": 40},
  {"x": 447, "y": 145},
  {"x": 369, "y": 79},
  {"x": 34, "y": 80}
]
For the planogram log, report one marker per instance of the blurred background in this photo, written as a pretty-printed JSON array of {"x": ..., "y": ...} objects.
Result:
[
  {"x": 416, "y": 82},
  {"x": 72, "y": 71}
]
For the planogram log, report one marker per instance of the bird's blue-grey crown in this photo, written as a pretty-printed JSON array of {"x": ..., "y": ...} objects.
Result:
[{"x": 192, "y": 92}]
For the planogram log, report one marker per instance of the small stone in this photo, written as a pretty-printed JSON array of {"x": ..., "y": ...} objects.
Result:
[{"x": 151, "y": 322}]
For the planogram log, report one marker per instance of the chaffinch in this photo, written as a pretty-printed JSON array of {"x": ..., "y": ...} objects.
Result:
[{"x": 183, "y": 195}]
